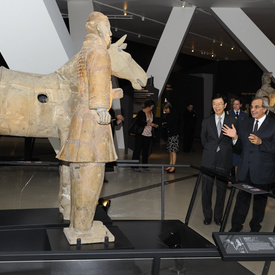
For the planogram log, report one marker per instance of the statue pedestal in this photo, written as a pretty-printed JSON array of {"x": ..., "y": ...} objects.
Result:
[{"x": 99, "y": 233}]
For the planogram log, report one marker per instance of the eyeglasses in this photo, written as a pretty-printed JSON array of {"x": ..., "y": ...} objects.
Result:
[
  {"x": 217, "y": 104},
  {"x": 255, "y": 107}
]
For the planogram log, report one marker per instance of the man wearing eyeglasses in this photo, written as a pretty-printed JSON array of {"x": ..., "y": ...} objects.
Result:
[
  {"x": 256, "y": 140},
  {"x": 216, "y": 158}
]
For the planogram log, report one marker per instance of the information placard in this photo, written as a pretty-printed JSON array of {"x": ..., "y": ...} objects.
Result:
[
  {"x": 245, "y": 246},
  {"x": 250, "y": 189}
]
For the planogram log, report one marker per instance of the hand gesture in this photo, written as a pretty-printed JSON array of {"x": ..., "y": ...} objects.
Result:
[
  {"x": 254, "y": 139},
  {"x": 230, "y": 132}
]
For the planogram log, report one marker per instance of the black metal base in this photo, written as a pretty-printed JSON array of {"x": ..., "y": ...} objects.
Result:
[
  {"x": 42, "y": 246},
  {"x": 41, "y": 218},
  {"x": 31, "y": 218}
]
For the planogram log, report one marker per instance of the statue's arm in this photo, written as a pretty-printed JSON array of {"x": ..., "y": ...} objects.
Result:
[{"x": 99, "y": 79}]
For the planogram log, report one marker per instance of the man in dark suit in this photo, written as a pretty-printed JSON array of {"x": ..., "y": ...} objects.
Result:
[
  {"x": 256, "y": 140},
  {"x": 217, "y": 156}
]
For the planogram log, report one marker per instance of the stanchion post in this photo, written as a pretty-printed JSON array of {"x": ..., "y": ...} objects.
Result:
[
  {"x": 227, "y": 209},
  {"x": 193, "y": 198},
  {"x": 162, "y": 193}
]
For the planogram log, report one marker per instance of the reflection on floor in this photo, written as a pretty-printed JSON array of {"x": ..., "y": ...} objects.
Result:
[{"x": 134, "y": 195}]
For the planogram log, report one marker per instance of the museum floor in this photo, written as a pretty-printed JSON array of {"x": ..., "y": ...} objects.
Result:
[{"x": 133, "y": 195}]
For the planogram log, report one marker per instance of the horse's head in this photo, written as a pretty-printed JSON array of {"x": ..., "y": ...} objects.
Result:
[{"x": 124, "y": 66}]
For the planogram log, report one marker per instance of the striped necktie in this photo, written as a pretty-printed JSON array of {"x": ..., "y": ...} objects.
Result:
[
  {"x": 219, "y": 126},
  {"x": 219, "y": 129},
  {"x": 255, "y": 127}
]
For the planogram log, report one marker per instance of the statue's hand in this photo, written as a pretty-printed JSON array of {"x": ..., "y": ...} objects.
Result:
[
  {"x": 103, "y": 116},
  {"x": 117, "y": 93}
]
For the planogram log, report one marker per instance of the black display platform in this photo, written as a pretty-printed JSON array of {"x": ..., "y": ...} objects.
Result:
[
  {"x": 155, "y": 242},
  {"x": 132, "y": 239},
  {"x": 41, "y": 218},
  {"x": 156, "y": 234},
  {"x": 31, "y": 218}
]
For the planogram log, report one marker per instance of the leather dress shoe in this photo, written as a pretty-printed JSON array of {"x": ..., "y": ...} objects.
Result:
[
  {"x": 218, "y": 222},
  {"x": 207, "y": 221}
]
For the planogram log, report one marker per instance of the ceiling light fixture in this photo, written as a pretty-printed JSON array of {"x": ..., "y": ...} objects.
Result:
[
  {"x": 135, "y": 33},
  {"x": 183, "y": 4},
  {"x": 232, "y": 48},
  {"x": 221, "y": 44},
  {"x": 119, "y": 17},
  {"x": 125, "y": 12}
]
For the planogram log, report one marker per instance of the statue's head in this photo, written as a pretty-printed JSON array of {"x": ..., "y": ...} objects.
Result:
[
  {"x": 99, "y": 24},
  {"x": 266, "y": 77}
]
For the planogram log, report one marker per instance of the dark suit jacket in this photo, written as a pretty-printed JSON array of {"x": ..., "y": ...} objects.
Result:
[
  {"x": 211, "y": 141},
  {"x": 259, "y": 160},
  {"x": 242, "y": 116}
]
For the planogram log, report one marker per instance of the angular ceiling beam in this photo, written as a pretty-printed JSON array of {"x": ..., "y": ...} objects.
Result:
[
  {"x": 251, "y": 39},
  {"x": 33, "y": 36},
  {"x": 79, "y": 12},
  {"x": 170, "y": 45}
]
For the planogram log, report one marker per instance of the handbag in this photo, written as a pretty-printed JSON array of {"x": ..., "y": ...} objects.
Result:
[
  {"x": 134, "y": 128},
  {"x": 164, "y": 133}
]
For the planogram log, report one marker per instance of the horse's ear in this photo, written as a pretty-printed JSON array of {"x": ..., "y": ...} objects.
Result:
[
  {"x": 119, "y": 43},
  {"x": 123, "y": 46}
]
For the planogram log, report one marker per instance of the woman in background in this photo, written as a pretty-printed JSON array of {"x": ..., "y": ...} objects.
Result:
[
  {"x": 171, "y": 123},
  {"x": 144, "y": 119}
]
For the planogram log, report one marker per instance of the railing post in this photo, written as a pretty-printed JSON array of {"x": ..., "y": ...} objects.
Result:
[
  {"x": 193, "y": 199},
  {"x": 162, "y": 193}
]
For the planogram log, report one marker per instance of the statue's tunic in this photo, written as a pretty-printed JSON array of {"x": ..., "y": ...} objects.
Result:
[{"x": 89, "y": 141}]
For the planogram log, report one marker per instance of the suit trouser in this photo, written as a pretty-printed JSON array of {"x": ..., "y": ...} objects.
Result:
[
  {"x": 207, "y": 188},
  {"x": 242, "y": 207}
]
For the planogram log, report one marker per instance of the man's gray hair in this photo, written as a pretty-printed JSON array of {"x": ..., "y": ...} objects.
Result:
[{"x": 264, "y": 102}]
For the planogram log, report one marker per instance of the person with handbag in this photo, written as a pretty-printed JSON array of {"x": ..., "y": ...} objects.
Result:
[{"x": 144, "y": 124}]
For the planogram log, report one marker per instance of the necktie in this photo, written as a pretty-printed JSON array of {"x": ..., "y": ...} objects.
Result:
[
  {"x": 219, "y": 126},
  {"x": 255, "y": 127},
  {"x": 237, "y": 114},
  {"x": 219, "y": 129}
]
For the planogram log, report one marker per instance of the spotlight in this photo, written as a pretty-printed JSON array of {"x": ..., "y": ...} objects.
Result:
[
  {"x": 232, "y": 48},
  {"x": 221, "y": 44},
  {"x": 125, "y": 12},
  {"x": 183, "y": 4},
  {"x": 105, "y": 204},
  {"x": 193, "y": 50}
]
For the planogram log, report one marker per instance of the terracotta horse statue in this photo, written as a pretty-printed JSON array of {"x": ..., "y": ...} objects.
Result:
[{"x": 35, "y": 105}]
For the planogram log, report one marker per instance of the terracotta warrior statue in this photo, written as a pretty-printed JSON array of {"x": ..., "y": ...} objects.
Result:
[
  {"x": 90, "y": 143},
  {"x": 267, "y": 90}
]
